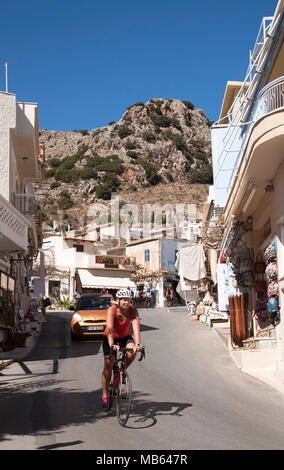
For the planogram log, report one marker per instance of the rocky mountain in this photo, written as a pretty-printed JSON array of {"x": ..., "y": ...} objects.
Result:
[{"x": 158, "y": 145}]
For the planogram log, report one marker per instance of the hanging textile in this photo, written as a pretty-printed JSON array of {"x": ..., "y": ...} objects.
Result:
[{"x": 239, "y": 319}]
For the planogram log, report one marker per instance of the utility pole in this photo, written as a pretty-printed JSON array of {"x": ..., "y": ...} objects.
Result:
[{"x": 6, "y": 67}]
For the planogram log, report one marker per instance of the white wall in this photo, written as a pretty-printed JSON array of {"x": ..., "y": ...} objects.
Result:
[{"x": 168, "y": 249}]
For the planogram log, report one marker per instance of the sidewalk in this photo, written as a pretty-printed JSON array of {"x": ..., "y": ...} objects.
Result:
[
  {"x": 269, "y": 376},
  {"x": 17, "y": 354}
]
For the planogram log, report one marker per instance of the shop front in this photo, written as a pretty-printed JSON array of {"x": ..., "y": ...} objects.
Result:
[
  {"x": 7, "y": 305},
  {"x": 252, "y": 296}
]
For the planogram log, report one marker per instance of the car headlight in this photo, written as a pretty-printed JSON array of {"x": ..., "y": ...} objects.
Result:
[{"x": 77, "y": 317}]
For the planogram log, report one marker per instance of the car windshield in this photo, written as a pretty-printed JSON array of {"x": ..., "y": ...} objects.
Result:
[{"x": 94, "y": 303}]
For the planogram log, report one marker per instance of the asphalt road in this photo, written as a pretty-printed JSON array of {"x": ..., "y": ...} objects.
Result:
[{"x": 188, "y": 394}]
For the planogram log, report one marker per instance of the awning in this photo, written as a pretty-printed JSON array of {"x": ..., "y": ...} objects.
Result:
[{"x": 99, "y": 278}]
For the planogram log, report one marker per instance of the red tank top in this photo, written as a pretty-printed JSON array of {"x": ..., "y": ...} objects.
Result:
[{"x": 121, "y": 328}]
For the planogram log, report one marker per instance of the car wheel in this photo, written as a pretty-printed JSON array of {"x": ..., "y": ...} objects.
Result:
[{"x": 74, "y": 337}]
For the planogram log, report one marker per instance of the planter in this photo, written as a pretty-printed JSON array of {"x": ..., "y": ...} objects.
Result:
[{"x": 17, "y": 340}]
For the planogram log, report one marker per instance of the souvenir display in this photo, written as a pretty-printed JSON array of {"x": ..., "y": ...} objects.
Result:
[
  {"x": 272, "y": 305},
  {"x": 271, "y": 270},
  {"x": 271, "y": 275},
  {"x": 272, "y": 289},
  {"x": 270, "y": 252}
]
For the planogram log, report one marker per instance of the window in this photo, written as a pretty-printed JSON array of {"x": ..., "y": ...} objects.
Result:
[
  {"x": 54, "y": 289},
  {"x": 146, "y": 255},
  {"x": 79, "y": 248}
]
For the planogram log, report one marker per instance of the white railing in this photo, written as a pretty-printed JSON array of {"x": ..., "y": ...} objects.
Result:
[
  {"x": 13, "y": 225},
  {"x": 269, "y": 99},
  {"x": 238, "y": 126}
]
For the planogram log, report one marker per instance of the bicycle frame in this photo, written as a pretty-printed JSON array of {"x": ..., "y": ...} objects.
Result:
[{"x": 120, "y": 386}]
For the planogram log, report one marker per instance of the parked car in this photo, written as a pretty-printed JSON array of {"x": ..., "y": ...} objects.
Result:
[{"x": 90, "y": 315}]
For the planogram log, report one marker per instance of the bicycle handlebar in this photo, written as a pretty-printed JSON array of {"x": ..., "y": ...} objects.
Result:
[{"x": 124, "y": 350}]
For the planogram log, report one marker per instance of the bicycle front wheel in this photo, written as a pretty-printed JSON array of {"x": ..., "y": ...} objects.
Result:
[
  {"x": 123, "y": 399},
  {"x": 110, "y": 396}
]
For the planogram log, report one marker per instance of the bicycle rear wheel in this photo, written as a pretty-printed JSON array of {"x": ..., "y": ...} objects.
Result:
[{"x": 123, "y": 399}]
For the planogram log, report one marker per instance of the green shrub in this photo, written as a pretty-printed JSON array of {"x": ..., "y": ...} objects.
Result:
[
  {"x": 67, "y": 176},
  {"x": 132, "y": 188},
  {"x": 197, "y": 151},
  {"x": 180, "y": 144},
  {"x": 50, "y": 173},
  {"x": 151, "y": 173},
  {"x": 96, "y": 132},
  {"x": 103, "y": 192},
  {"x": 130, "y": 145},
  {"x": 64, "y": 193},
  {"x": 132, "y": 154},
  {"x": 165, "y": 121},
  {"x": 83, "y": 131},
  {"x": 148, "y": 136},
  {"x": 54, "y": 162},
  {"x": 188, "y": 104},
  {"x": 108, "y": 259},
  {"x": 111, "y": 163},
  {"x": 124, "y": 132},
  {"x": 111, "y": 123},
  {"x": 140, "y": 103},
  {"x": 169, "y": 176},
  {"x": 54, "y": 185},
  {"x": 160, "y": 120},
  {"x": 111, "y": 180},
  {"x": 65, "y": 203},
  {"x": 204, "y": 175},
  {"x": 87, "y": 173}
]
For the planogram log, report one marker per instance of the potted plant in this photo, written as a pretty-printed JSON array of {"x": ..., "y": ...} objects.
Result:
[{"x": 109, "y": 262}]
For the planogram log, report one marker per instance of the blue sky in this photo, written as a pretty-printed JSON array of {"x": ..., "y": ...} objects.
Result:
[{"x": 85, "y": 61}]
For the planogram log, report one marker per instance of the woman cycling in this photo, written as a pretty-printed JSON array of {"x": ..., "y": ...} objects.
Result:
[{"x": 117, "y": 335}]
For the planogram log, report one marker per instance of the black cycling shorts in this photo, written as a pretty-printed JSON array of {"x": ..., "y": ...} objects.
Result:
[{"x": 123, "y": 342}]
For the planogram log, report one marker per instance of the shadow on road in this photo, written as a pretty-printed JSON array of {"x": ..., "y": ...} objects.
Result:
[
  {"x": 145, "y": 412},
  {"x": 48, "y": 411},
  {"x": 55, "y": 340}
]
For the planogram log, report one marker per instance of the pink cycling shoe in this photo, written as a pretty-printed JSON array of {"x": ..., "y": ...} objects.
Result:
[{"x": 104, "y": 402}]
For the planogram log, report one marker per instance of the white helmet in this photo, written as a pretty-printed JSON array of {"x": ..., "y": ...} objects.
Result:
[{"x": 123, "y": 294}]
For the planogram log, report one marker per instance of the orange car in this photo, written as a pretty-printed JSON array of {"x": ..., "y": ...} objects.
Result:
[{"x": 90, "y": 315}]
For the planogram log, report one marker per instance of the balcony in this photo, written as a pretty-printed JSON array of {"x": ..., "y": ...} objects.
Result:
[
  {"x": 90, "y": 261},
  {"x": 269, "y": 99},
  {"x": 13, "y": 228},
  {"x": 24, "y": 203},
  {"x": 230, "y": 142}
]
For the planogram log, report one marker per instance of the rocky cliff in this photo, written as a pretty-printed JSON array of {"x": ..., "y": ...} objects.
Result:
[{"x": 158, "y": 145}]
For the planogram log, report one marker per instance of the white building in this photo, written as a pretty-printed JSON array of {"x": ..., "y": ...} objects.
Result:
[
  {"x": 157, "y": 255},
  {"x": 248, "y": 167},
  {"x": 20, "y": 229},
  {"x": 67, "y": 266}
]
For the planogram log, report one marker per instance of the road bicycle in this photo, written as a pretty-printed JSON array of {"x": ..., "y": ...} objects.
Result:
[{"x": 120, "y": 387}]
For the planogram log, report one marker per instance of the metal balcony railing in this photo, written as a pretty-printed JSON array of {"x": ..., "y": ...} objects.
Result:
[
  {"x": 248, "y": 106},
  {"x": 269, "y": 99}
]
